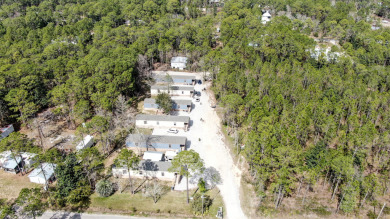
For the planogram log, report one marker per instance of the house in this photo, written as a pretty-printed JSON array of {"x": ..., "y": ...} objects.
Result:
[
  {"x": 179, "y": 62},
  {"x": 184, "y": 105},
  {"x": 13, "y": 164},
  {"x": 173, "y": 90},
  {"x": 165, "y": 121},
  {"x": 42, "y": 175},
  {"x": 85, "y": 143},
  {"x": 153, "y": 156},
  {"x": 5, "y": 131},
  {"x": 326, "y": 53},
  {"x": 156, "y": 142},
  {"x": 147, "y": 169},
  {"x": 266, "y": 17},
  {"x": 177, "y": 79}
]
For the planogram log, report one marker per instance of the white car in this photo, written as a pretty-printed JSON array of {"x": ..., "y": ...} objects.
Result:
[{"x": 173, "y": 130}]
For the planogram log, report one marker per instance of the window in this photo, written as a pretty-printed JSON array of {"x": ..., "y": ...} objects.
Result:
[
  {"x": 124, "y": 171},
  {"x": 178, "y": 106},
  {"x": 145, "y": 122},
  {"x": 170, "y": 146},
  {"x": 158, "y": 91},
  {"x": 174, "y": 123},
  {"x": 140, "y": 173},
  {"x": 162, "y": 173},
  {"x": 182, "y": 92},
  {"x": 158, "y": 123}
]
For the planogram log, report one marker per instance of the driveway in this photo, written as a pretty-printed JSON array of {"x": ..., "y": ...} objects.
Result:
[{"x": 206, "y": 139}]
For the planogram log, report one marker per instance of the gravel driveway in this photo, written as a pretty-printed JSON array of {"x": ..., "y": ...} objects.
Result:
[{"x": 212, "y": 150}]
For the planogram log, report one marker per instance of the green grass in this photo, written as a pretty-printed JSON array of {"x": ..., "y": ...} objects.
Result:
[
  {"x": 173, "y": 202},
  {"x": 11, "y": 184}
]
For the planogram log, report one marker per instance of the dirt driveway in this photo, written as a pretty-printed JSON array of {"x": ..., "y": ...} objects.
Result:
[{"x": 212, "y": 150}]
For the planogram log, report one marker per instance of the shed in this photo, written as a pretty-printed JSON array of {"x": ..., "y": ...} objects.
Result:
[
  {"x": 179, "y": 62},
  {"x": 85, "y": 143},
  {"x": 13, "y": 164},
  {"x": 156, "y": 142},
  {"x": 173, "y": 90},
  {"x": 5, "y": 131},
  {"x": 166, "y": 121},
  {"x": 43, "y": 175},
  {"x": 153, "y": 156}
]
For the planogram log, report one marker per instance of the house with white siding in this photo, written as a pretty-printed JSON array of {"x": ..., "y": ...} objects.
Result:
[
  {"x": 179, "y": 62},
  {"x": 156, "y": 142},
  {"x": 147, "y": 169},
  {"x": 162, "y": 121},
  {"x": 173, "y": 90}
]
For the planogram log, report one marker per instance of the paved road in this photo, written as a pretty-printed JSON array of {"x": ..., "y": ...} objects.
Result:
[{"x": 71, "y": 215}]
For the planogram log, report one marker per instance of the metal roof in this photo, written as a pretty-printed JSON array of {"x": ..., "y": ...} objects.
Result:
[
  {"x": 139, "y": 138},
  {"x": 179, "y": 59},
  {"x": 185, "y": 119},
  {"x": 10, "y": 163},
  {"x": 176, "y": 101},
  {"x": 190, "y": 88},
  {"x": 148, "y": 165},
  {"x": 48, "y": 169},
  {"x": 153, "y": 156}
]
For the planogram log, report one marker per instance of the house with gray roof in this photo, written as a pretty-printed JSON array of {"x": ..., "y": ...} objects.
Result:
[
  {"x": 179, "y": 62},
  {"x": 43, "y": 175},
  {"x": 156, "y": 142},
  {"x": 147, "y": 169},
  {"x": 183, "y": 105},
  {"x": 173, "y": 90},
  {"x": 162, "y": 121},
  {"x": 177, "y": 79}
]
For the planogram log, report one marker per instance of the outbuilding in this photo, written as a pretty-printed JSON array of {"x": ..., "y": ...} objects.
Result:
[
  {"x": 153, "y": 156},
  {"x": 183, "y": 105},
  {"x": 179, "y": 62},
  {"x": 85, "y": 143},
  {"x": 13, "y": 164},
  {"x": 5, "y": 131},
  {"x": 156, "y": 142},
  {"x": 147, "y": 169},
  {"x": 42, "y": 175},
  {"x": 165, "y": 121},
  {"x": 173, "y": 90}
]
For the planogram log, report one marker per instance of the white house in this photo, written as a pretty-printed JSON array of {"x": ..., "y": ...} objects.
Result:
[
  {"x": 266, "y": 17},
  {"x": 41, "y": 175},
  {"x": 164, "y": 121},
  {"x": 5, "y": 131},
  {"x": 147, "y": 169},
  {"x": 153, "y": 156},
  {"x": 85, "y": 143},
  {"x": 179, "y": 62},
  {"x": 173, "y": 90}
]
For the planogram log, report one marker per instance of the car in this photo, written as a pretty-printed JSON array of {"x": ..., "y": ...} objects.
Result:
[
  {"x": 200, "y": 82},
  {"x": 173, "y": 130},
  {"x": 213, "y": 106},
  {"x": 197, "y": 99},
  {"x": 197, "y": 93}
]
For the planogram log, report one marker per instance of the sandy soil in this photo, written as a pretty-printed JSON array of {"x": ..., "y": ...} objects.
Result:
[{"x": 213, "y": 150}]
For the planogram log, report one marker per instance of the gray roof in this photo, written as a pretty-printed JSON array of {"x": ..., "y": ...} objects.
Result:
[
  {"x": 179, "y": 59},
  {"x": 155, "y": 87},
  {"x": 185, "y": 119},
  {"x": 177, "y": 101},
  {"x": 48, "y": 171},
  {"x": 139, "y": 138},
  {"x": 148, "y": 165},
  {"x": 163, "y": 77}
]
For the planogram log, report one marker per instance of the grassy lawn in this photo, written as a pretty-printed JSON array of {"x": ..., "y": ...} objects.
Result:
[
  {"x": 173, "y": 202},
  {"x": 11, "y": 184}
]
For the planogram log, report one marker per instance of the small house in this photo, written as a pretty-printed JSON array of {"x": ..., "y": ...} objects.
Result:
[
  {"x": 85, "y": 143},
  {"x": 179, "y": 62},
  {"x": 42, "y": 175},
  {"x": 147, "y": 169},
  {"x": 173, "y": 90},
  {"x": 266, "y": 17},
  {"x": 5, "y": 131},
  {"x": 153, "y": 156},
  {"x": 156, "y": 142},
  {"x": 162, "y": 121},
  {"x": 184, "y": 105},
  {"x": 13, "y": 164}
]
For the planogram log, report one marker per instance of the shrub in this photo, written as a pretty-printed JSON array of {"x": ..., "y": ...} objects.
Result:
[
  {"x": 104, "y": 188},
  {"x": 197, "y": 203}
]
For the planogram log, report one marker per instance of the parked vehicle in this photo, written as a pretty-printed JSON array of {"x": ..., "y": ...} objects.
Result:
[
  {"x": 173, "y": 130},
  {"x": 197, "y": 99},
  {"x": 213, "y": 106}
]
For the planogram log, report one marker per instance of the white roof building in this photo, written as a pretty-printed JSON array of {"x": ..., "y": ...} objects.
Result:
[
  {"x": 179, "y": 62},
  {"x": 40, "y": 176},
  {"x": 265, "y": 17},
  {"x": 85, "y": 143},
  {"x": 153, "y": 156}
]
